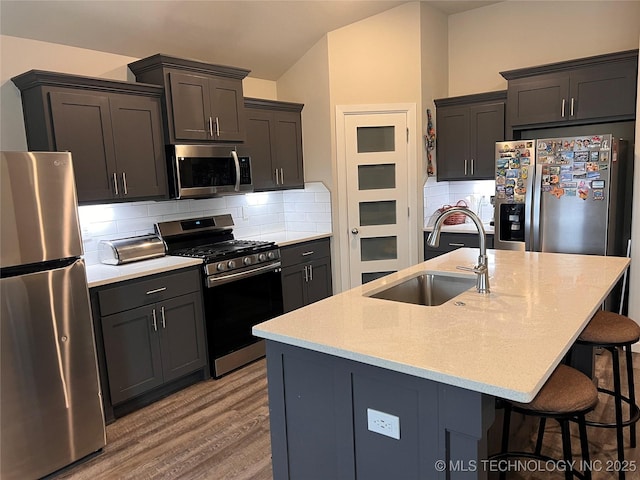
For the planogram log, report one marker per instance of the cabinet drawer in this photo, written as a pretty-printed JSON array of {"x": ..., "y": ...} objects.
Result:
[
  {"x": 152, "y": 289},
  {"x": 452, "y": 241},
  {"x": 305, "y": 252}
]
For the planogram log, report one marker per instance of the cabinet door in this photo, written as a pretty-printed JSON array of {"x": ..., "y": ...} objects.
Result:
[
  {"x": 132, "y": 350},
  {"x": 453, "y": 141},
  {"x": 288, "y": 148},
  {"x": 190, "y": 102},
  {"x": 261, "y": 148},
  {"x": 319, "y": 284},
  {"x": 180, "y": 321},
  {"x": 486, "y": 128},
  {"x": 604, "y": 91},
  {"x": 539, "y": 100},
  {"x": 139, "y": 146},
  {"x": 227, "y": 109},
  {"x": 293, "y": 287},
  {"x": 82, "y": 126}
]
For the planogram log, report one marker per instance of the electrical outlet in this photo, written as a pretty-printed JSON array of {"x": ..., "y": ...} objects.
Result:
[{"x": 383, "y": 423}]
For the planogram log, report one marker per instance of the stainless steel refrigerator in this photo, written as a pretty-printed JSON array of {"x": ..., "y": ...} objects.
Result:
[
  {"x": 561, "y": 195},
  {"x": 51, "y": 409}
]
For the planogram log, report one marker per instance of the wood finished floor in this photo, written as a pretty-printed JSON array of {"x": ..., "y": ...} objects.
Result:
[{"x": 219, "y": 430}]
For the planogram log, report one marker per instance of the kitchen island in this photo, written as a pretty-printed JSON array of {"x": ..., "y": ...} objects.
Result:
[{"x": 436, "y": 370}]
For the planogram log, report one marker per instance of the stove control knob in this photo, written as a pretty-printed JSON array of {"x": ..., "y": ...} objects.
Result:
[
  {"x": 271, "y": 255},
  {"x": 220, "y": 267},
  {"x": 246, "y": 260},
  {"x": 231, "y": 264},
  {"x": 262, "y": 257}
]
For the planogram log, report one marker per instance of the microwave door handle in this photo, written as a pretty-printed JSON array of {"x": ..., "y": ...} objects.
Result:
[
  {"x": 177, "y": 178},
  {"x": 235, "y": 159}
]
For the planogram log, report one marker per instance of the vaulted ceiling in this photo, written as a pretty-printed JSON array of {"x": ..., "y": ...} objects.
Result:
[{"x": 265, "y": 36}]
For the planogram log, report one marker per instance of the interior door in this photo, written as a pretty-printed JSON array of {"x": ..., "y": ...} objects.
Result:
[{"x": 377, "y": 194}]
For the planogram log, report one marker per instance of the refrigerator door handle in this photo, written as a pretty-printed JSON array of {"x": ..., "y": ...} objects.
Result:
[{"x": 535, "y": 232}]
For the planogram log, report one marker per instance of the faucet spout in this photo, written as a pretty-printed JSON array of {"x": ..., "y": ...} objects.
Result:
[{"x": 482, "y": 268}]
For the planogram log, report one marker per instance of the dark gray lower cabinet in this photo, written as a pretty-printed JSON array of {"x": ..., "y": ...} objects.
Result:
[
  {"x": 319, "y": 426},
  {"x": 152, "y": 331},
  {"x": 452, "y": 241},
  {"x": 306, "y": 273}
]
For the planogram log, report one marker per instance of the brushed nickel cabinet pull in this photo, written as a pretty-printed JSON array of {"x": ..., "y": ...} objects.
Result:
[
  {"x": 311, "y": 273},
  {"x": 465, "y": 167},
  {"x": 124, "y": 183},
  {"x": 164, "y": 323},
  {"x": 154, "y": 320},
  {"x": 282, "y": 176},
  {"x": 115, "y": 182},
  {"x": 572, "y": 106},
  {"x": 217, "y": 127},
  {"x": 563, "y": 102},
  {"x": 157, "y": 290},
  {"x": 310, "y": 252}
]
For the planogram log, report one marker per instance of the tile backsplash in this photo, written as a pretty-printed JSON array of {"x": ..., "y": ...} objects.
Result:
[
  {"x": 475, "y": 193},
  {"x": 254, "y": 214}
]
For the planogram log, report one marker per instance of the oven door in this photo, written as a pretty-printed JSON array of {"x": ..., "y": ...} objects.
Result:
[
  {"x": 233, "y": 305},
  {"x": 203, "y": 171}
]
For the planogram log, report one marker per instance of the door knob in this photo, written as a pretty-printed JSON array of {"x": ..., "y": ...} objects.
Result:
[{"x": 355, "y": 231}]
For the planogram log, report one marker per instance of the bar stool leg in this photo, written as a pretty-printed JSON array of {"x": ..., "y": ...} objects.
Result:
[
  {"x": 632, "y": 394},
  {"x": 566, "y": 447},
  {"x": 543, "y": 423},
  {"x": 618, "y": 401},
  {"x": 584, "y": 446},
  {"x": 506, "y": 426}
]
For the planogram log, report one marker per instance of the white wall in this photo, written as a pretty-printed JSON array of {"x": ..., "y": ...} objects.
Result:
[
  {"x": 634, "y": 281},
  {"x": 510, "y": 35}
]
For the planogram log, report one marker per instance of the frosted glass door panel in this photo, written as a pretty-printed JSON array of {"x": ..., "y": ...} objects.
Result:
[
  {"x": 378, "y": 248},
  {"x": 378, "y": 213},
  {"x": 375, "y": 177},
  {"x": 376, "y": 139}
]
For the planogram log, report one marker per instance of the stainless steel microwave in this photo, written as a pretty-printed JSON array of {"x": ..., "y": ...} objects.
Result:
[{"x": 197, "y": 171}]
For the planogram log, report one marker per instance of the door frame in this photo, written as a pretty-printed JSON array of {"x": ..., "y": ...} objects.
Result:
[{"x": 415, "y": 237}]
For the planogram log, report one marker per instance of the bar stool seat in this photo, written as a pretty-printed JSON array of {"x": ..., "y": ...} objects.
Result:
[
  {"x": 568, "y": 395},
  {"x": 612, "y": 332}
]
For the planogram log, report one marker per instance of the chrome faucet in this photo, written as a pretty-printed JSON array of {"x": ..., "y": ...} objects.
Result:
[{"x": 481, "y": 269}]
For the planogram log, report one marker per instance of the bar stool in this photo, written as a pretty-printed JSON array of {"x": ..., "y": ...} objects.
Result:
[
  {"x": 568, "y": 395},
  {"x": 612, "y": 331}
]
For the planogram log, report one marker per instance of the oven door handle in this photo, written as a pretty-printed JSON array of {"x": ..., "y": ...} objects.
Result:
[
  {"x": 215, "y": 281},
  {"x": 234, "y": 154}
]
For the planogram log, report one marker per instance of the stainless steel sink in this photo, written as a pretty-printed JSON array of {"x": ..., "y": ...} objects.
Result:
[{"x": 430, "y": 289}]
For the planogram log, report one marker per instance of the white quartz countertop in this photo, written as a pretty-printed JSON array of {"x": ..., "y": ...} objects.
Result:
[
  {"x": 505, "y": 344},
  {"x": 290, "y": 238},
  {"x": 468, "y": 227},
  {"x": 98, "y": 275}
]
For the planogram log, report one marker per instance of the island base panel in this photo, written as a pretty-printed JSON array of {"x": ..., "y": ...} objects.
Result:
[{"x": 318, "y": 415}]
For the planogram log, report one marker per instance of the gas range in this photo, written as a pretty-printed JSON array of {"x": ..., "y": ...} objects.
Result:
[
  {"x": 243, "y": 285},
  {"x": 211, "y": 239}
]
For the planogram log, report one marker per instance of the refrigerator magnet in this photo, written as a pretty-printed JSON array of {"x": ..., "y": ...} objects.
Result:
[
  {"x": 593, "y": 156},
  {"x": 598, "y": 194},
  {"x": 524, "y": 172},
  {"x": 604, "y": 156},
  {"x": 599, "y": 184},
  {"x": 570, "y": 192},
  {"x": 583, "y": 193},
  {"x": 557, "y": 192}
]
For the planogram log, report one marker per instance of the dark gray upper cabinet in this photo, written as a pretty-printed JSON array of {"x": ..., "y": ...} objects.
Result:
[
  {"x": 112, "y": 129},
  {"x": 467, "y": 129},
  {"x": 599, "y": 88},
  {"x": 202, "y": 102},
  {"x": 274, "y": 142}
]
